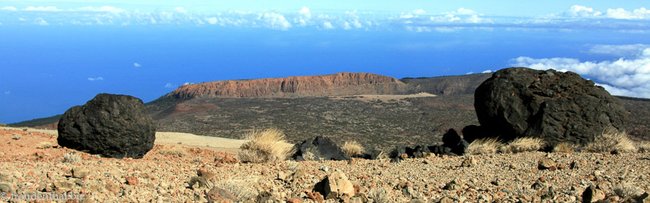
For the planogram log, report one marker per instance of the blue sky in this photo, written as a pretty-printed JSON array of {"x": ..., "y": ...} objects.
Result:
[{"x": 56, "y": 54}]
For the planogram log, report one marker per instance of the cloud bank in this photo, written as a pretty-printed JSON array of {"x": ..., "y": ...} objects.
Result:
[
  {"x": 624, "y": 76},
  {"x": 577, "y": 17}
]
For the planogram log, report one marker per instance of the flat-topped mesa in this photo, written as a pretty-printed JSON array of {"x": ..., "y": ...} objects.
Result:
[{"x": 338, "y": 84}]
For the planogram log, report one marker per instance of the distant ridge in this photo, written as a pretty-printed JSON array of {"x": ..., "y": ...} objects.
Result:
[{"x": 298, "y": 86}]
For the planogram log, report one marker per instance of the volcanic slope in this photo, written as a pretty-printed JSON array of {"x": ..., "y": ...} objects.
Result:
[{"x": 344, "y": 106}]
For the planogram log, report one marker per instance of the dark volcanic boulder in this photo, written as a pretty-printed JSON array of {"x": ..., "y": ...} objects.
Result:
[
  {"x": 319, "y": 148},
  {"x": 111, "y": 125},
  {"x": 555, "y": 106},
  {"x": 453, "y": 141}
]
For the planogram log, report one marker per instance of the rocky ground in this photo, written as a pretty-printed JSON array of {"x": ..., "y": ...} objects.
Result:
[{"x": 32, "y": 163}]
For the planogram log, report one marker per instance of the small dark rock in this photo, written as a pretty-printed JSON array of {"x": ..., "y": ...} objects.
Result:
[
  {"x": 452, "y": 185},
  {"x": 592, "y": 194},
  {"x": 546, "y": 164}
]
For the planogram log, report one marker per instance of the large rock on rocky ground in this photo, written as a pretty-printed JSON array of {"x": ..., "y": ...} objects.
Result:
[
  {"x": 555, "y": 106},
  {"x": 111, "y": 125}
]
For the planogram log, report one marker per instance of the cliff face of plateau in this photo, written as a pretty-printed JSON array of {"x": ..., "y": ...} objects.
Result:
[{"x": 325, "y": 85}]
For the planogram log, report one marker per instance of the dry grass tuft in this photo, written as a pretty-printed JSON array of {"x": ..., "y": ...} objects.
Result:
[
  {"x": 612, "y": 140},
  {"x": 44, "y": 145},
  {"x": 243, "y": 190},
  {"x": 71, "y": 157},
  {"x": 353, "y": 148},
  {"x": 484, "y": 146},
  {"x": 564, "y": 147},
  {"x": 524, "y": 144},
  {"x": 265, "y": 146},
  {"x": 173, "y": 151}
]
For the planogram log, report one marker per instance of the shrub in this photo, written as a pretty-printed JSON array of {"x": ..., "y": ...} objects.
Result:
[
  {"x": 611, "y": 140},
  {"x": 484, "y": 146},
  {"x": 353, "y": 148},
  {"x": 524, "y": 144},
  {"x": 265, "y": 146},
  {"x": 564, "y": 147}
]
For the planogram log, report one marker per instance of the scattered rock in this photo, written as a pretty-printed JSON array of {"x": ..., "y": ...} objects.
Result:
[
  {"x": 398, "y": 154},
  {"x": 131, "y": 180},
  {"x": 316, "y": 197},
  {"x": 199, "y": 182},
  {"x": 217, "y": 194},
  {"x": 319, "y": 148},
  {"x": 452, "y": 185},
  {"x": 335, "y": 185},
  {"x": 592, "y": 194},
  {"x": 546, "y": 164},
  {"x": 538, "y": 185},
  {"x": 452, "y": 140},
  {"x": 205, "y": 173},
  {"x": 440, "y": 149},
  {"x": 111, "y": 125},
  {"x": 628, "y": 191},
  {"x": 16, "y": 137},
  {"x": 80, "y": 172},
  {"x": 416, "y": 152},
  {"x": 446, "y": 200},
  {"x": 4, "y": 177},
  {"x": 63, "y": 186},
  {"x": 468, "y": 162},
  {"x": 555, "y": 106},
  {"x": 294, "y": 200}
]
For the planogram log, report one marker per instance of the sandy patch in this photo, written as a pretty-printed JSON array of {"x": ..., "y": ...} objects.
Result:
[
  {"x": 162, "y": 138},
  {"x": 384, "y": 98}
]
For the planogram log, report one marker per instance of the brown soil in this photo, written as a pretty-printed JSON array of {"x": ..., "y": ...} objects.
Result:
[{"x": 164, "y": 173}]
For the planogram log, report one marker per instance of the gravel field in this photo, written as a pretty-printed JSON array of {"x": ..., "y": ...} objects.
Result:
[{"x": 31, "y": 163}]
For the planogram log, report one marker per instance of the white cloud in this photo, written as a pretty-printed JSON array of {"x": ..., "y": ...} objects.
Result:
[
  {"x": 169, "y": 85},
  {"x": 92, "y": 79},
  {"x": 275, "y": 20},
  {"x": 180, "y": 10},
  {"x": 212, "y": 20},
  {"x": 187, "y": 83},
  {"x": 328, "y": 25},
  {"x": 619, "y": 50},
  {"x": 43, "y": 9},
  {"x": 461, "y": 15},
  {"x": 487, "y": 71},
  {"x": 304, "y": 16},
  {"x": 305, "y": 11},
  {"x": 8, "y": 8},
  {"x": 413, "y": 14},
  {"x": 612, "y": 13},
  {"x": 137, "y": 65},
  {"x": 104, "y": 9},
  {"x": 583, "y": 11},
  {"x": 7, "y": 92},
  {"x": 626, "y": 77},
  {"x": 41, "y": 21},
  {"x": 619, "y": 13}
]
